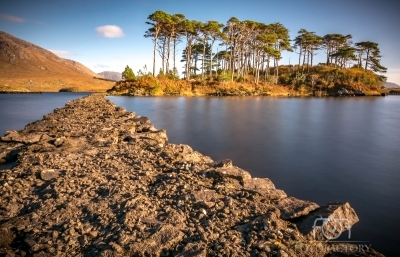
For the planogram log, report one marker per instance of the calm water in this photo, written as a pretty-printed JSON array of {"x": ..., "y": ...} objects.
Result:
[{"x": 323, "y": 150}]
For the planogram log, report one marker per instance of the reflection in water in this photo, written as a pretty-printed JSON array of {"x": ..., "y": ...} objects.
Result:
[{"x": 332, "y": 149}]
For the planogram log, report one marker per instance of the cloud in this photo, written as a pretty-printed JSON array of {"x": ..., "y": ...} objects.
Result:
[
  {"x": 110, "y": 31},
  {"x": 101, "y": 66},
  {"x": 60, "y": 52},
  {"x": 11, "y": 18}
]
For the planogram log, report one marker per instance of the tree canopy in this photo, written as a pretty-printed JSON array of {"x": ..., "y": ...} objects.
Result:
[
  {"x": 250, "y": 48},
  {"x": 128, "y": 74}
]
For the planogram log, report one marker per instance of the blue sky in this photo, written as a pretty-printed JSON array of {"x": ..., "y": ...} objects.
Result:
[{"x": 72, "y": 28}]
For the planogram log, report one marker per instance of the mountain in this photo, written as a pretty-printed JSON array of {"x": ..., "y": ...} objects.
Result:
[
  {"x": 113, "y": 75},
  {"x": 28, "y": 67},
  {"x": 391, "y": 85}
]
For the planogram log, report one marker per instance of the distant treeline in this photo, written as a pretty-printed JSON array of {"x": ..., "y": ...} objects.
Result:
[{"x": 246, "y": 50}]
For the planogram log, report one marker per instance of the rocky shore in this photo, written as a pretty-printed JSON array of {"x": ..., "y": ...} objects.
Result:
[{"x": 92, "y": 179}]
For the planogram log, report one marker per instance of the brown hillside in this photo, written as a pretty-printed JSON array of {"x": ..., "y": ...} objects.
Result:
[{"x": 28, "y": 67}]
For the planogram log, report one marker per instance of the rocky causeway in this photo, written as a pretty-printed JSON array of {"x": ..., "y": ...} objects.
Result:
[{"x": 92, "y": 179}]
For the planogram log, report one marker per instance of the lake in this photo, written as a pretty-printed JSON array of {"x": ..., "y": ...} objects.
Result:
[{"x": 320, "y": 149}]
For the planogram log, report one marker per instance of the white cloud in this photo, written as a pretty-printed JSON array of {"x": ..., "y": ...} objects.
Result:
[
  {"x": 101, "y": 66},
  {"x": 11, "y": 18},
  {"x": 60, "y": 52},
  {"x": 110, "y": 31}
]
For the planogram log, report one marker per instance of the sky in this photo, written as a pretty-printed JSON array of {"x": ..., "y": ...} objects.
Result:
[{"x": 107, "y": 35}]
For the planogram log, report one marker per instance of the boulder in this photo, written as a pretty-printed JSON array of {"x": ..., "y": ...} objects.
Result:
[
  {"x": 264, "y": 187},
  {"x": 15, "y": 136},
  {"x": 328, "y": 222},
  {"x": 292, "y": 207},
  {"x": 233, "y": 172},
  {"x": 9, "y": 151}
]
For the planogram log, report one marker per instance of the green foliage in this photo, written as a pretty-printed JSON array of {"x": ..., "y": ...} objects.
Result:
[
  {"x": 224, "y": 75},
  {"x": 173, "y": 74},
  {"x": 128, "y": 74}
]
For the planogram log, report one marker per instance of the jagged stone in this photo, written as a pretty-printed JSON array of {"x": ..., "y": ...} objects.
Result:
[
  {"x": 292, "y": 207},
  {"x": 234, "y": 172},
  {"x": 14, "y": 136},
  {"x": 264, "y": 187},
  {"x": 9, "y": 151},
  {"x": 328, "y": 222}
]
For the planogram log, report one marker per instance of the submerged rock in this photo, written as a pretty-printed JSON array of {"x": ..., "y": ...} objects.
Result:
[{"x": 92, "y": 179}]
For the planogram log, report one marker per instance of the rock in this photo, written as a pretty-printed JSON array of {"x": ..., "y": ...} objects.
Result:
[
  {"x": 234, "y": 172},
  {"x": 30, "y": 242},
  {"x": 9, "y": 151},
  {"x": 193, "y": 250},
  {"x": 167, "y": 237},
  {"x": 59, "y": 141},
  {"x": 206, "y": 196},
  {"x": 222, "y": 164},
  {"x": 328, "y": 222},
  {"x": 264, "y": 187},
  {"x": 49, "y": 174},
  {"x": 291, "y": 207},
  {"x": 14, "y": 136}
]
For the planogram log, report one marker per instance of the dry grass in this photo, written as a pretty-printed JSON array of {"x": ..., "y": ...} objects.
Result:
[{"x": 54, "y": 84}]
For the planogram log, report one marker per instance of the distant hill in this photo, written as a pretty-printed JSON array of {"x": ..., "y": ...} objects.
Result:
[
  {"x": 391, "y": 85},
  {"x": 28, "y": 67},
  {"x": 113, "y": 75}
]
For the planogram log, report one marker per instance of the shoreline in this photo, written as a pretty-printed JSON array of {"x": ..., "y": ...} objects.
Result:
[{"x": 92, "y": 178}]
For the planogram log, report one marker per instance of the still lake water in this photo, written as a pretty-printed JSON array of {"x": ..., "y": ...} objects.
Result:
[{"x": 323, "y": 150}]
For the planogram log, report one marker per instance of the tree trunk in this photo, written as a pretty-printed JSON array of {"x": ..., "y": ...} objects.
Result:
[
  {"x": 174, "y": 52},
  {"x": 154, "y": 54},
  {"x": 202, "y": 61},
  {"x": 366, "y": 60},
  {"x": 163, "y": 55},
  {"x": 168, "y": 55},
  {"x": 211, "y": 59}
]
